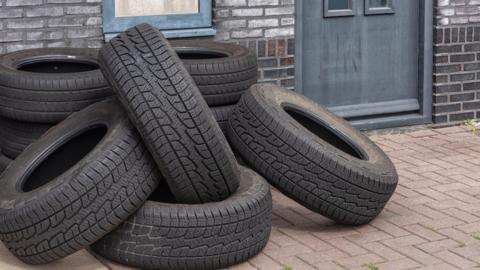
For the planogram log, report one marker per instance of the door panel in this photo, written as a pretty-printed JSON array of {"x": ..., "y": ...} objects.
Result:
[{"x": 371, "y": 57}]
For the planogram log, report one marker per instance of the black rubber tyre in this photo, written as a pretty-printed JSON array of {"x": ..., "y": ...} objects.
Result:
[
  {"x": 175, "y": 122},
  {"x": 311, "y": 155},
  {"x": 46, "y": 85},
  {"x": 197, "y": 237},
  {"x": 222, "y": 71},
  {"x": 75, "y": 184},
  {"x": 221, "y": 114},
  {"x": 15, "y": 135},
  {"x": 4, "y": 162}
]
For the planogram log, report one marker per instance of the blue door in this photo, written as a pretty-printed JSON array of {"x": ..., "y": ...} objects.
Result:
[{"x": 364, "y": 59}]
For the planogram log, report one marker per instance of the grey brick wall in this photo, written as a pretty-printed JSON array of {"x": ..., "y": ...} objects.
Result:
[
  {"x": 266, "y": 26},
  {"x": 28, "y": 24},
  {"x": 456, "y": 61}
]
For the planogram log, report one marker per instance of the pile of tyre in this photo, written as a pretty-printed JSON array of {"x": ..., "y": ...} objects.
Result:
[{"x": 129, "y": 151}]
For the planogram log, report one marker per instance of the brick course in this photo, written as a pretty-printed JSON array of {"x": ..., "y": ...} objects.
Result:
[
  {"x": 456, "y": 61},
  {"x": 26, "y": 24},
  {"x": 265, "y": 26}
]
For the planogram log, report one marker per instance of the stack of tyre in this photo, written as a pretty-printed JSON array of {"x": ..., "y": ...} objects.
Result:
[{"x": 146, "y": 177}]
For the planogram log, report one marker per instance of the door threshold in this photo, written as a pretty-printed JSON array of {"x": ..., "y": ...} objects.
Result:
[{"x": 390, "y": 121}]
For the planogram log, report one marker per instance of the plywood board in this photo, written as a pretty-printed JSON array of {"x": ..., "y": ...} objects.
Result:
[{"x": 128, "y": 8}]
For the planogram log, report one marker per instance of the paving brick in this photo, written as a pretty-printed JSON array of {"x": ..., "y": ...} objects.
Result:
[
  {"x": 262, "y": 261},
  {"x": 281, "y": 239},
  {"x": 440, "y": 266},
  {"x": 369, "y": 237},
  {"x": 419, "y": 255},
  {"x": 334, "y": 232},
  {"x": 329, "y": 266},
  {"x": 316, "y": 257},
  {"x": 288, "y": 251},
  {"x": 305, "y": 238},
  {"x": 404, "y": 241},
  {"x": 383, "y": 251},
  {"x": 360, "y": 260},
  {"x": 296, "y": 263},
  {"x": 455, "y": 260},
  {"x": 401, "y": 264},
  {"x": 459, "y": 236},
  {"x": 390, "y": 228},
  {"x": 429, "y": 212},
  {"x": 425, "y": 233},
  {"x": 471, "y": 252},
  {"x": 347, "y": 246}
]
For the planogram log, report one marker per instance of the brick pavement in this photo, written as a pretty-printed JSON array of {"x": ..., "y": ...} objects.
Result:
[{"x": 432, "y": 221}]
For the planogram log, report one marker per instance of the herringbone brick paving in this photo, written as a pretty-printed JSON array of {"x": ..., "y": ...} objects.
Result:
[{"x": 432, "y": 221}]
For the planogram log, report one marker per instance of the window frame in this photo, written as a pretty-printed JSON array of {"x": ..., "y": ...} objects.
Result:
[
  {"x": 181, "y": 25},
  {"x": 389, "y": 9},
  {"x": 327, "y": 13}
]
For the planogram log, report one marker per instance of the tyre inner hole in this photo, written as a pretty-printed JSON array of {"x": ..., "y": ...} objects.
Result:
[
  {"x": 196, "y": 54},
  {"x": 57, "y": 66},
  {"x": 325, "y": 133},
  {"x": 63, "y": 158}
]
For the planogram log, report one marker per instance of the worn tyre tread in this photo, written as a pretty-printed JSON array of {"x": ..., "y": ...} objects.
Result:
[
  {"x": 229, "y": 76},
  {"x": 222, "y": 113},
  {"x": 72, "y": 214},
  {"x": 15, "y": 135},
  {"x": 171, "y": 115},
  {"x": 197, "y": 237},
  {"x": 315, "y": 178},
  {"x": 34, "y": 97}
]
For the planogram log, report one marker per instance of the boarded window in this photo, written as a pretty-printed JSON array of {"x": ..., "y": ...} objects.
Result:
[{"x": 129, "y": 8}]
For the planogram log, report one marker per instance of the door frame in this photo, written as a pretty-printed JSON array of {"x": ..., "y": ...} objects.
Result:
[{"x": 425, "y": 72}]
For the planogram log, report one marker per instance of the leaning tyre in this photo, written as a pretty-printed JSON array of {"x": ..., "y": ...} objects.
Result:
[
  {"x": 46, "y": 85},
  {"x": 75, "y": 184},
  {"x": 222, "y": 71},
  {"x": 311, "y": 155},
  {"x": 221, "y": 114},
  {"x": 206, "y": 236},
  {"x": 15, "y": 135},
  {"x": 175, "y": 122}
]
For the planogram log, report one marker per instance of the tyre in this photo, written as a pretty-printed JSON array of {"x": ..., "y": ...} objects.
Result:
[
  {"x": 221, "y": 114},
  {"x": 311, "y": 155},
  {"x": 208, "y": 236},
  {"x": 175, "y": 122},
  {"x": 15, "y": 135},
  {"x": 222, "y": 71},
  {"x": 46, "y": 85},
  {"x": 75, "y": 184},
  {"x": 4, "y": 162}
]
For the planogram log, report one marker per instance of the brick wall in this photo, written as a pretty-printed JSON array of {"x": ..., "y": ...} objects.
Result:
[
  {"x": 28, "y": 24},
  {"x": 266, "y": 26},
  {"x": 456, "y": 61}
]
